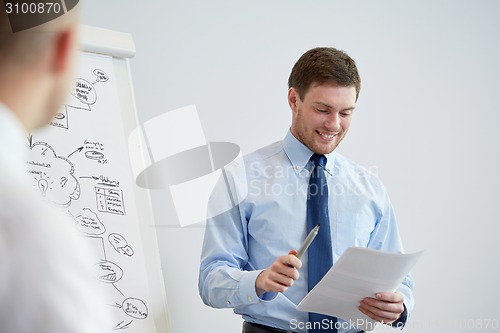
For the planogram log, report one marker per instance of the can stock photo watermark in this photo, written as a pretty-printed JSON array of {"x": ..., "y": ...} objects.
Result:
[{"x": 26, "y": 14}]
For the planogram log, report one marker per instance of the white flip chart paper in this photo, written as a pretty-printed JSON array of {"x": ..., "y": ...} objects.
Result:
[{"x": 80, "y": 164}]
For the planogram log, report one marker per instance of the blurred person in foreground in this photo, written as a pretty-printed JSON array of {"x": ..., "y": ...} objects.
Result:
[{"x": 45, "y": 280}]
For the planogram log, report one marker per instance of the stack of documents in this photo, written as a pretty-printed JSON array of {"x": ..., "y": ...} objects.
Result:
[{"x": 358, "y": 273}]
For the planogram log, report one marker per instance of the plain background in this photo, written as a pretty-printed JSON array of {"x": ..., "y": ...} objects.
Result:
[{"x": 427, "y": 122}]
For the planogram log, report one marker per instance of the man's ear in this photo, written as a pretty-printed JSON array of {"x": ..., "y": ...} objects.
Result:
[
  {"x": 63, "y": 49},
  {"x": 293, "y": 99}
]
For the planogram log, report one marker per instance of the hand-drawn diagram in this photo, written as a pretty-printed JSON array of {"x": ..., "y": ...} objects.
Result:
[
  {"x": 94, "y": 155},
  {"x": 106, "y": 271},
  {"x": 110, "y": 273},
  {"x": 120, "y": 244},
  {"x": 53, "y": 175},
  {"x": 89, "y": 223},
  {"x": 101, "y": 76},
  {"x": 86, "y": 184},
  {"x": 83, "y": 95},
  {"x": 95, "y": 151},
  {"x": 109, "y": 200},
  {"x": 135, "y": 308}
]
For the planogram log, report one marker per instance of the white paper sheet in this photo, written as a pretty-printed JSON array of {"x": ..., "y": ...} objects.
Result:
[{"x": 358, "y": 273}]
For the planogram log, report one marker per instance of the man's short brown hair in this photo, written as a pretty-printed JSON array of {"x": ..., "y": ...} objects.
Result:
[{"x": 324, "y": 65}]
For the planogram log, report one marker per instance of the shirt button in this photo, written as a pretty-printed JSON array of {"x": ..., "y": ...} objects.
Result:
[
  {"x": 297, "y": 167},
  {"x": 249, "y": 298}
]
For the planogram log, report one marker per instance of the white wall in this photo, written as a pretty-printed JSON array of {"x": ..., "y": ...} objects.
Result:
[{"x": 427, "y": 119}]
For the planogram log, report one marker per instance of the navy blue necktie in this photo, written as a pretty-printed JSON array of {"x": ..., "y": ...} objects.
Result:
[{"x": 320, "y": 252}]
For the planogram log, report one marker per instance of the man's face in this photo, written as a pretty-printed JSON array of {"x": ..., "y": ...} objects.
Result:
[{"x": 322, "y": 119}]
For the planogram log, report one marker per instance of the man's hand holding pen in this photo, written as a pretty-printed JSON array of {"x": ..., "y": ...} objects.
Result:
[
  {"x": 284, "y": 271},
  {"x": 280, "y": 275}
]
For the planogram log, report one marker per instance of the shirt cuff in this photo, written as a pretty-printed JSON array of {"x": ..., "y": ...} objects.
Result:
[
  {"x": 400, "y": 323},
  {"x": 248, "y": 294}
]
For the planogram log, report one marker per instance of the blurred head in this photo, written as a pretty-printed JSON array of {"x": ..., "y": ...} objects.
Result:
[
  {"x": 323, "y": 89},
  {"x": 36, "y": 66}
]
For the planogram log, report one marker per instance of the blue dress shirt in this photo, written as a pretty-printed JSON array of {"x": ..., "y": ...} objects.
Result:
[{"x": 268, "y": 219}]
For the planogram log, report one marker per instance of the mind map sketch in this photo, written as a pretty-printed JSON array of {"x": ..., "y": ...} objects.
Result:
[
  {"x": 80, "y": 165},
  {"x": 83, "y": 96}
]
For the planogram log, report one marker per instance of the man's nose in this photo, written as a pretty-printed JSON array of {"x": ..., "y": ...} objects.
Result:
[{"x": 333, "y": 122}]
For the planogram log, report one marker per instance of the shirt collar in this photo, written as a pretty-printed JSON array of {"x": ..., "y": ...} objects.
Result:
[{"x": 299, "y": 154}]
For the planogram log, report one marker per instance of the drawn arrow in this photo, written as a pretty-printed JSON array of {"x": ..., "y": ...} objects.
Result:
[
  {"x": 77, "y": 150},
  {"x": 90, "y": 177}
]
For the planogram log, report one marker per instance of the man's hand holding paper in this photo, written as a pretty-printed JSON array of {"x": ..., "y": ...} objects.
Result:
[{"x": 386, "y": 307}]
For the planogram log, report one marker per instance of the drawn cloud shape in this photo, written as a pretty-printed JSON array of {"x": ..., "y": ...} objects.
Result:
[
  {"x": 53, "y": 175},
  {"x": 88, "y": 223}
]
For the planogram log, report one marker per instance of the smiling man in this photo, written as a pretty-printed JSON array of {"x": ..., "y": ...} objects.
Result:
[{"x": 249, "y": 259}]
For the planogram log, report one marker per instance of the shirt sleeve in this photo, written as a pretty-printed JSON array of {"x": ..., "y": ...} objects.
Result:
[
  {"x": 226, "y": 279},
  {"x": 385, "y": 237},
  {"x": 47, "y": 285}
]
